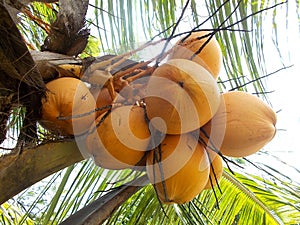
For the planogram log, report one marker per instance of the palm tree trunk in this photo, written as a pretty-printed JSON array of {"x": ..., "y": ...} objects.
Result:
[{"x": 19, "y": 171}]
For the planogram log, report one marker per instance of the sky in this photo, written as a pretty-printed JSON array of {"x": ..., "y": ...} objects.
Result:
[{"x": 284, "y": 99}]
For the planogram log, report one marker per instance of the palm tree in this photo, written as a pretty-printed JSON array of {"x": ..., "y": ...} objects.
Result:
[{"x": 44, "y": 178}]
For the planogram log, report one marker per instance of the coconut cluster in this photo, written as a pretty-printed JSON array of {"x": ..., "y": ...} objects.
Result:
[{"x": 178, "y": 130}]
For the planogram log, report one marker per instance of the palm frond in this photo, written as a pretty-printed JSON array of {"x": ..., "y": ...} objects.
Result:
[
  {"x": 14, "y": 125},
  {"x": 239, "y": 27},
  {"x": 35, "y": 23},
  {"x": 242, "y": 200},
  {"x": 84, "y": 182},
  {"x": 10, "y": 214},
  {"x": 242, "y": 40}
]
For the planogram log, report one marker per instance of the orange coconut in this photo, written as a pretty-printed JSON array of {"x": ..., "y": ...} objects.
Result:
[
  {"x": 209, "y": 57},
  {"x": 178, "y": 168},
  {"x": 216, "y": 169},
  {"x": 68, "y": 107},
  {"x": 242, "y": 126},
  {"x": 181, "y": 96},
  {"x": 120, "y": 138}
]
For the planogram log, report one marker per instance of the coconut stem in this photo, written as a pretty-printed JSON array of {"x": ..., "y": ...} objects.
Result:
[
  {"x": 84, "y": 114},
  {"x": 162, "y": 174},
  {"x": 215, "y": 194},
  {"x": 141, "y": 74},
  {"x": 157, "y": 157},
  {"x": 131, "y": 69},
  {"x": 101, "y": 121},
  {"x": 103, "y": 65},
  {"x": 212, "y": 147},
  {"x": 144, "y": 72},
  {"x": 214, "y": 173}
]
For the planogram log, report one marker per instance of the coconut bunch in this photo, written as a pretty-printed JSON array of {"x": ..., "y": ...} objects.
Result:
[
  {"x": 170, "y": 120},
  {"x": 77, "y": 95}
]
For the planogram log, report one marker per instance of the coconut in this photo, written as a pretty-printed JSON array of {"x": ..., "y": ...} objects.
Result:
[
  {"x": 178, "y": 168},
  {"x": 119, "y": 139},
  {"x": 181, "y": 96},
  {"x": 68, "y": 107},
  {"x": 209, "y": 57},
  {"x": 243, "y": 125}
]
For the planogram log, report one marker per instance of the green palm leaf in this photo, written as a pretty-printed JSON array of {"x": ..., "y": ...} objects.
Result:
[{"x": 242, "y": 200}]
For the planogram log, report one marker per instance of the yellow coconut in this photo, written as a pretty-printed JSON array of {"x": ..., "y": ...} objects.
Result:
[
  {"x": 66, "y": 107},
  {"x": 216, "y": 168},
  {"x": 181, "y": 96},
  {"x": 120, "y": 139},
  {"x": 242, "y": 126},
  {"x": 209, "y": 57},
  {"x": 178, "y": 169}
]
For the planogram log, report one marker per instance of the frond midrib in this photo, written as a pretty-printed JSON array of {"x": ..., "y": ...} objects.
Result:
[{"x": 251, "y": 196}]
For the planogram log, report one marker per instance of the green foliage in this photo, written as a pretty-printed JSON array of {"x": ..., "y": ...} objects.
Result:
[
  {"x": 12, "y": 215},
  {"x": 14, "y": 125},
  {"x": 239, "y": 199},
  {"x": 34, "y": 25},
  {"x": 92, "y": 49},
  {"x": 69, "y": 190}
]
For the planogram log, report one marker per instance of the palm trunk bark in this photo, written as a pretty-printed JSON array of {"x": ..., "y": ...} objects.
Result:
[{"x": 20, "y": 171}]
